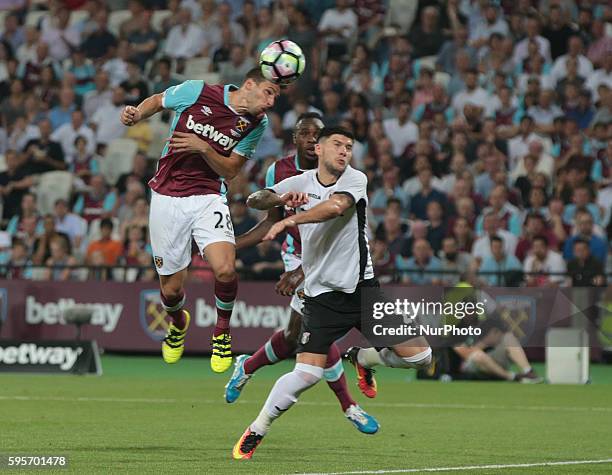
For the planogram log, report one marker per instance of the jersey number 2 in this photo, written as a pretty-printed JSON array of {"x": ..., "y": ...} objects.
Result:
[{"x": 228, "y": 221}]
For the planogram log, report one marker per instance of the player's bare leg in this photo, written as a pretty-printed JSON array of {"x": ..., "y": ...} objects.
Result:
[
  {"x": 173, "y": 300},
  {"x": 222, "y": 258},
  {"x": 414, "y": 353}
]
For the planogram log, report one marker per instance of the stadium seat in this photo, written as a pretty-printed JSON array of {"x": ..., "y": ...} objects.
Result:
[
  {"x": 116, "y": 18},
  {"x": 3, "y": 14},
  {"x": 158, "y": 17},
  {"x": 118, "y": 159},
  {"x": 3, "y": 166},
  {"x": 197, "y": 67},
  {"x": 210, "y": 78},
  {"x": 33, "y": 18},
  {"x": 78, "y": 15},
  {"x": 51, "y": 187}
]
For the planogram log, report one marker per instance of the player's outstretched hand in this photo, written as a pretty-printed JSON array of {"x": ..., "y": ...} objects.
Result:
[
  {"x": 278, "y": 228},
  {"x": 293, "y": 199},
  {"x": 290, "y": 281},
  {"x": 130, "y": 116},
  {"x": 184, "y": 142}
]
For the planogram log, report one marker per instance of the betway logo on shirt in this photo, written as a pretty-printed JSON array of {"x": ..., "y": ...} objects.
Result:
[{"x": 208, "y": 131}]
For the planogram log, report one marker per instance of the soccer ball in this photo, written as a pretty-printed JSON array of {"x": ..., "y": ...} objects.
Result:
[{"x": 282, "y": 62}]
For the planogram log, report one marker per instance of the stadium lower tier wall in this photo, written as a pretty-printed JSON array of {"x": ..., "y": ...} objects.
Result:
[{"x": 128, "y": 317}]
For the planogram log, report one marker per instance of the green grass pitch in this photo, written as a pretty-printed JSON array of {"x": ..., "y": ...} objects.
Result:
[{"x": 143, "y": 416}]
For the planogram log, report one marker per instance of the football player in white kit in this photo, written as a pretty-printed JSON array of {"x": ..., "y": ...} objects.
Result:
[{"x": 331, "y": 203}]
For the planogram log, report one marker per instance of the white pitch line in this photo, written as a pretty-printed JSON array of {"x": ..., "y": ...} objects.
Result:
[
  {"x": 470, "y": 467},
  {"x": 408, "y": 405}
]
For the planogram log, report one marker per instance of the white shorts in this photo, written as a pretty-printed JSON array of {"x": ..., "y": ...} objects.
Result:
[
  {"x": 292, "y": 262},
  {"x": 174, "y": 220}
]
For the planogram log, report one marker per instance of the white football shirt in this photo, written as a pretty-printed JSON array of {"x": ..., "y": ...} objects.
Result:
[{"x": 335, "y": 253}]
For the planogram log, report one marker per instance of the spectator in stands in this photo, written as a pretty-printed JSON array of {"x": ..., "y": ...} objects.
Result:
[
  {"x": 104, "y": 122},
  {"x": 427, "y": 194},
  {"x": 98, "y": 202},
  {"x": 390, "y": 188},
  {"x": 140, "y": 217},
  {"x": 509, "y": 216},
  {"x": 427, "y": 37},
  {"x": 585, "y": 269},
  {"x": 186, "y": 39},
  {"x": 73, "y": 226},
  {"x": 67, "y": 134},
  {"x": 420, "y": 269},
  {"x": 337, "y": 26},
  {"x": 60, "y": 114},
  {"x": 472, "y": 94},
  {"x": 455, "y": 262},
  {"x": 60, "y": 36},
  {"x": 111, "y": 249},
  {"x": 400, "y": 129},
  {"x": 19, "y": 264},
  {"x": 492, "y": 228},
  {"x": 138, "y": 173},
  {"x": 137, "y": 9},
  {"x": 83, "y": 164},
  {"x": 446, "y": 58},
  {"x": 12, "y": 106},
  {"x": 15, "y": 226},
  {"x": 532, "y": 29},
  {"x": 42, "y": 249},
  {"x": 436, "y": 230},
  {"x": 234, "y": 70},
  {"x": 100, "y": 43},
  {"x": 574, "y": 50},
  {"x": 390, "y": 231},
  {"x": 535, "y": 225},
  {"x": 383, "y": 261},
  {"x": 134, "y": 191},
  {"x": 543, "y": 259},
  {"x": 597, "y": 245},
  {"x": 502, "y": 268},
  {"x": 581, "y": 199},
  {"x": 58, "y": 263},
  {"x": 44, "y": 154},
  {"x": 14, "y": 184},
  {"x": 30, "y": 68},
  {"x": 99, "y": 97},
  {"x": 164, "y": 78},
  {"x": 557, "y": 31},
  {"x": 265, "y": 263},
  {"x": 135, "y": 87},
  {"x": 143, "y": 39}
]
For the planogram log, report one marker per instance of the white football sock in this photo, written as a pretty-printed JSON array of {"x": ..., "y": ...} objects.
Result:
[
  {"x": 369, "y": 357},
  {"x": 284, "y": 394}
]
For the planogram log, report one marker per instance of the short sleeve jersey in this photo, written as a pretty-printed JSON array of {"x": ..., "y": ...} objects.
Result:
[
  {"x": 203, "y": 110},
  {"x": 335, "y": 253}
]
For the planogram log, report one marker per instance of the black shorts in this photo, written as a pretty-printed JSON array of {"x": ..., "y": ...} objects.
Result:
[{"x": 329, "y": 316}]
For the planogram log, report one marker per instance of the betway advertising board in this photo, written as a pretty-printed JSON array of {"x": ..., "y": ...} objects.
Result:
[{"x": 129, "y": 317}]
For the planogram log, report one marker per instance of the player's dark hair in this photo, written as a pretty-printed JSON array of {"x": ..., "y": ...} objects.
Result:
[
  {"x": 308, "y": 116},
  {"x": 496, "y": 239},
  {"x": 256, "y": 75},
  {"x": 329, "y": 131}
]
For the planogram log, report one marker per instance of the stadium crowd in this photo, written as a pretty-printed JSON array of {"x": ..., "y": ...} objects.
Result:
[{"x": 485, "y": 128}]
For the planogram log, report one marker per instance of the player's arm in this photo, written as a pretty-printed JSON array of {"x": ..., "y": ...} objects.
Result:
[
  {"x": 268, "y": 199},
  {"x": 256, "y": 234},
  {"x": 150, "y": 106},
  {"x": 335, "y": 206},
  {"x": 227, "y": 167}
]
